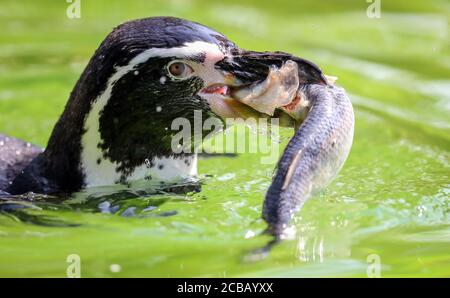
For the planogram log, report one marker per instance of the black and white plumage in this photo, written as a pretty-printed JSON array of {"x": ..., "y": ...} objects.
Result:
[{"x": 115, "y": 127}]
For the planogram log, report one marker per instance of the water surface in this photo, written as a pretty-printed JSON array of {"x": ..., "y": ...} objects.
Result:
[{"x": 391, "y": 199}]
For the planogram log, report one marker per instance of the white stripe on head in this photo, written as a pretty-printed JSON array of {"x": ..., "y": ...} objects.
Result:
[
  {"x": 191, "y": 49},
  {"x": 106, "y": 173}
]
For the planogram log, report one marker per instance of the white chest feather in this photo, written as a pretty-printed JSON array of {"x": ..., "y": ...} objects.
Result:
[{"x": 99, "y": 171}]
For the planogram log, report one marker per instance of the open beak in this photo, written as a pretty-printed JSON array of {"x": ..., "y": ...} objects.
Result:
[{"x": 260, "y": 85}]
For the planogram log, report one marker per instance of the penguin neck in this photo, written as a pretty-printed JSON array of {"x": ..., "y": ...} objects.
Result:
[
  {"x": 77, "y": 161},
  {"x": 99, "y": 170}
]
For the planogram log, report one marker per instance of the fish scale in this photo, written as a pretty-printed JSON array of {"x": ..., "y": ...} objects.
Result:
[{"x": 312, "y": 157}]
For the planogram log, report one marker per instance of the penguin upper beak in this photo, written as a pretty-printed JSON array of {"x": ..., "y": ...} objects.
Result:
[
  {"x": 250, "y": 66},
  {"x": 260, "y": 84}
]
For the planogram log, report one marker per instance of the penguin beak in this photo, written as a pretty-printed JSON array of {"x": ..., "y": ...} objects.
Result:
[
  {"x": 250, "y": 67},
  {"x": 260, "y": 85}
]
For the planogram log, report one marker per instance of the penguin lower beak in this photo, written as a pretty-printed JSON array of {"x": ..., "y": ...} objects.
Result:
[{"x": 261, "y": 85}]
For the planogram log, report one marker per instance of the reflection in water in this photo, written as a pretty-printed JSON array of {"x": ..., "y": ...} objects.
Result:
[
  {"x": 305, "y": 253},
  {"x": 30, "y": 208},
  {"x": 36, "y": 209},
  {"x": 314, "y": 244},
  {"x": 317, "y": 248}
]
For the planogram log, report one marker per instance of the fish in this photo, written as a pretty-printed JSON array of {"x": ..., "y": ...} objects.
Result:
[
  {"x": 323, "y": 119},
  {"x": 277, "y": 90}
]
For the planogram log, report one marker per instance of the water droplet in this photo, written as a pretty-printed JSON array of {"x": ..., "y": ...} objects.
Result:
[
  {"x": 115, "y": 268},
  {"x": 249, "y": 234}
]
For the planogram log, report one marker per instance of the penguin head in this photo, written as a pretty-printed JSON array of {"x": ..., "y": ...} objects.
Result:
[{"x": 144, "y": 75}]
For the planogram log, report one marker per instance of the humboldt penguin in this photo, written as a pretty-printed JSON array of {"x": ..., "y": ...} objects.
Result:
[{"x": 116, "y": 125}]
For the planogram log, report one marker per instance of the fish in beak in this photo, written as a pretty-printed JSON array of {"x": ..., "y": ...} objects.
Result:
[{"x": 262, "y": 85}]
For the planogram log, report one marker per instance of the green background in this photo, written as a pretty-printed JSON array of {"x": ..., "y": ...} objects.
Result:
[{"x": 391, "y": 198}]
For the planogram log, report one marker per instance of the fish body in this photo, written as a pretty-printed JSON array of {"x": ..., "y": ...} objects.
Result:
[{"x": 313, "y": 156}]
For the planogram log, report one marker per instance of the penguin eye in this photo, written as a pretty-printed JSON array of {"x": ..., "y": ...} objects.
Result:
[{"x": 179, "y": 70}]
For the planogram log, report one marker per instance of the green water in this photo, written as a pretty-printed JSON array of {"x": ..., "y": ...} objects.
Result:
[{"x": 391, "y": 199}]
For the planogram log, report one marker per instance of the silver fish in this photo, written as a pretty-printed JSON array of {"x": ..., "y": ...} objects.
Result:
[{"x": 324, "y": 126}]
